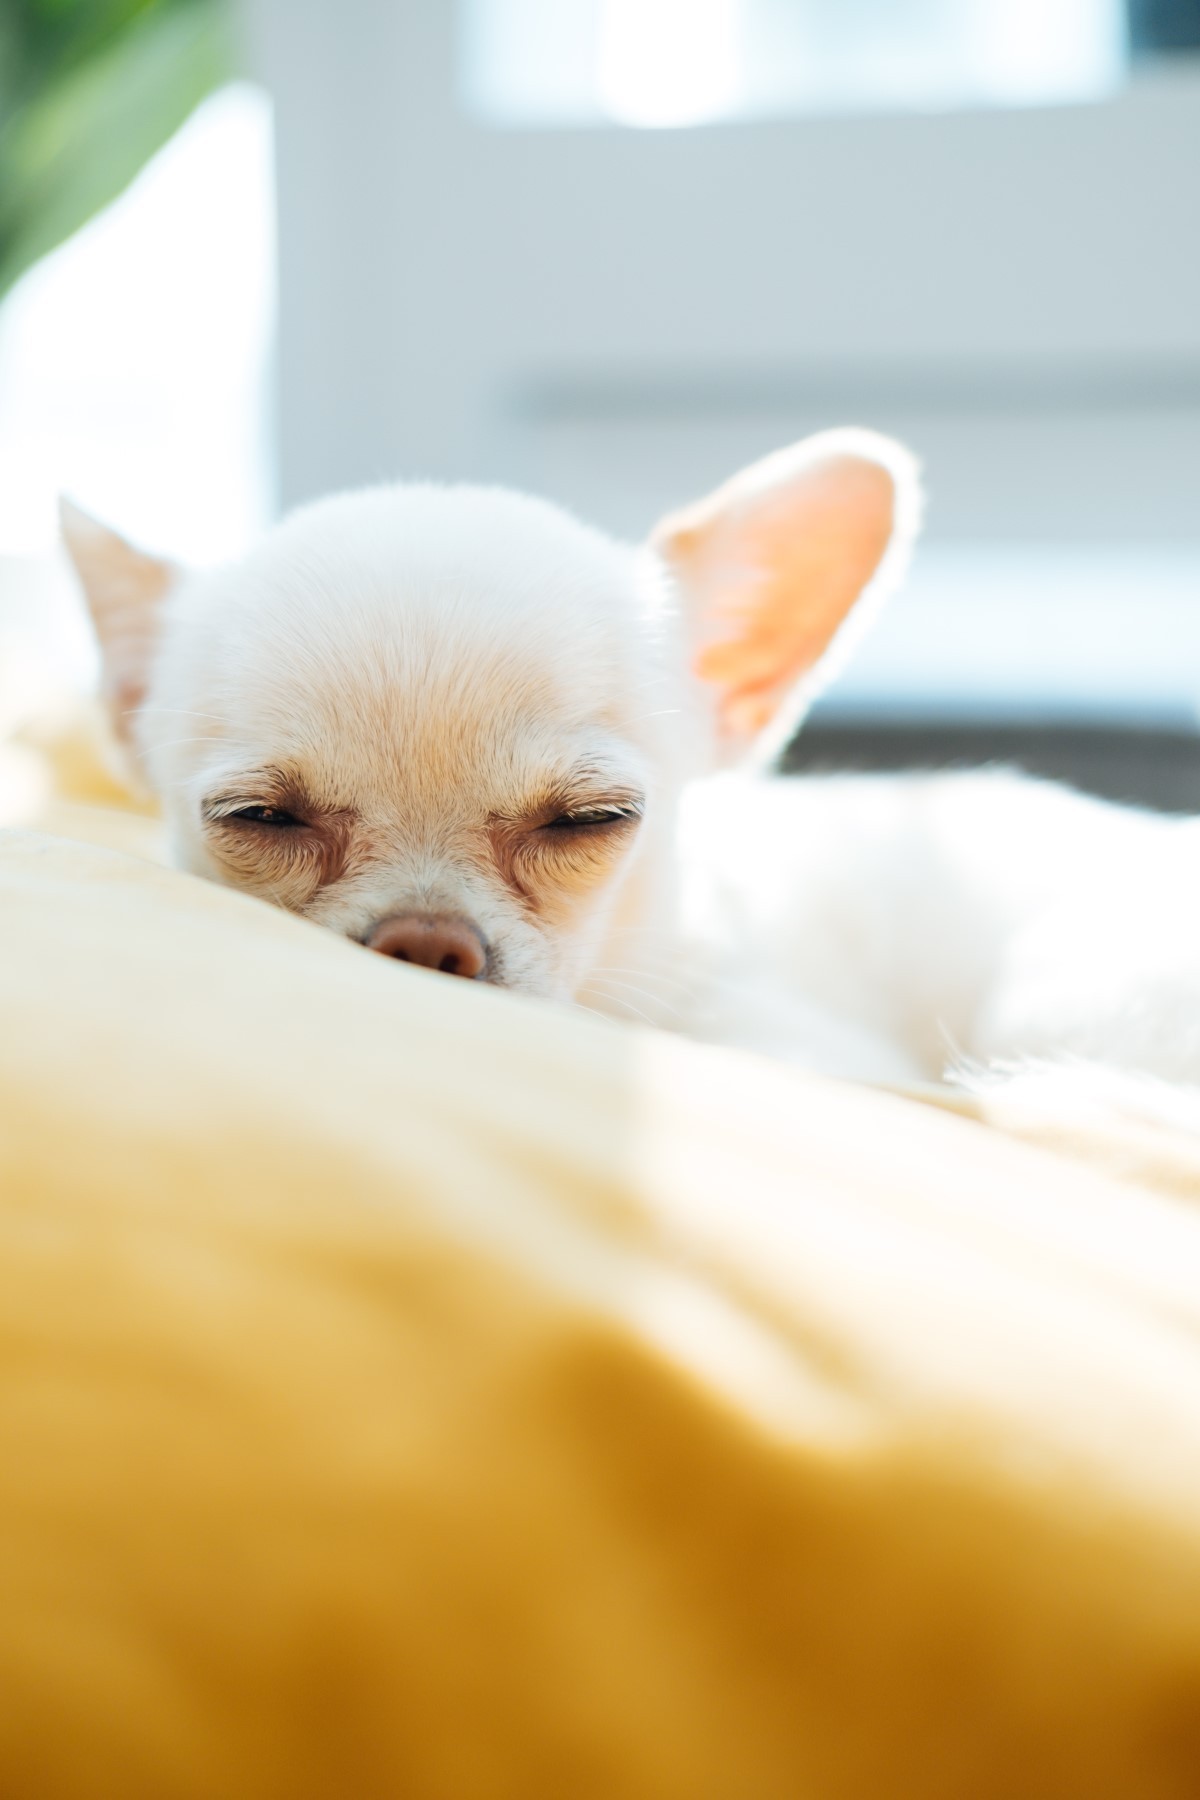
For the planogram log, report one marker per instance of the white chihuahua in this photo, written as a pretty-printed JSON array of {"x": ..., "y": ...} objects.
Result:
[{"x": 464, "y": 730}]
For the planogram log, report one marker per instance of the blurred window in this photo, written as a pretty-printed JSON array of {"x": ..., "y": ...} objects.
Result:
[
  {"x": 619, "y": 318},
  {"x": 689, "y": 62},
  {"x": 134, "y": 360}
]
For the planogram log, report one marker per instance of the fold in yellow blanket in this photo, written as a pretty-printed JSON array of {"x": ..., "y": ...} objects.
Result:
[{"x": 410, "y": 1391}]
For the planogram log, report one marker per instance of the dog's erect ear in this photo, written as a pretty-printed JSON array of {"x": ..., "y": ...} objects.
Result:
[
  {"x": 772, "y": 564},
  {"x": 124, "y": 588}
]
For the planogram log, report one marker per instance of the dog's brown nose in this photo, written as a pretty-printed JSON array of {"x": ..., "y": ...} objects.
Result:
[{"x": 451, "y": 945}]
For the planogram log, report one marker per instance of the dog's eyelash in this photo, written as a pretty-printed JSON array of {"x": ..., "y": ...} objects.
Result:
[
  {"x": 275, "y": 816},
  {"x": 585, "y": 817}
]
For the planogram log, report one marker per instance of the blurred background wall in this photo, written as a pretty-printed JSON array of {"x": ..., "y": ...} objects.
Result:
[{"x": 611, "y": 249}]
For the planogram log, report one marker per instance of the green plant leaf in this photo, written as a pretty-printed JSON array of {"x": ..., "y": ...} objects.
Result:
[{"x": 93, "y": 119}]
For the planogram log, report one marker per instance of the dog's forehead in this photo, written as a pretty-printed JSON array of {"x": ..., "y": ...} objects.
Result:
[
  {"x": 418, "y": 582},
  {"x": 452, "y": 640},
  {"x": 454, "y": 742}
]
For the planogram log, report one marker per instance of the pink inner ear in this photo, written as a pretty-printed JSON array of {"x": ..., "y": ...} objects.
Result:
[
  {"x": 123, "y": 587},
  {"x": 126, "y": 618},
  {"x": 777, "y": 573}
]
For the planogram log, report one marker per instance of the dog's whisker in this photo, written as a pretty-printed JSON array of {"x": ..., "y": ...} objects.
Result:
[
  {"x": 582, "y": 1006},
  {"x": 186, "y": 712},
  {"x": 675, "y": 978},
  {"x": 671, "y": 996},
  {"x": 624, "y": 988},
  {"x": 626, "y": 1005},
  {"x": 177, "y": 743}
]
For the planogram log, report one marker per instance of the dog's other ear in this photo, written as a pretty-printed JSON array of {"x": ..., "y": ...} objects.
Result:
[
  {"x": 771, "y": 565},
  {"x": 123, "y": 588}
]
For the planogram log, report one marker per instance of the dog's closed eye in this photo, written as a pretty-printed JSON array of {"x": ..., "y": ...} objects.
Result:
[
  {"x": 563, "y": 844},
  {"x": 275, "y": 816},
  {"x": 282, "y": 841},
  {"x": 596, "y": 818}
]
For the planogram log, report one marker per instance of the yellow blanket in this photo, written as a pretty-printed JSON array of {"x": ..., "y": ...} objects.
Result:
[{"x": 410, "y": 1391}]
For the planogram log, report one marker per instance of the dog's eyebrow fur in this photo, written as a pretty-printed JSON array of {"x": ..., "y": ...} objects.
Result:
[
  {"x": 272, "y": 786},
  {"x": 552, "y": 802},
  {"x": 595, "y": 782}
]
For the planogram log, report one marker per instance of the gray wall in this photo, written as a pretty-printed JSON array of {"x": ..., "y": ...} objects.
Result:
[{"x": 620, "y": 317}]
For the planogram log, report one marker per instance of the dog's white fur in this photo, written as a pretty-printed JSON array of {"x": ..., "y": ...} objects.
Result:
[
  {"x": 906, "y": 925},
  {"x": 477, "y": 707}
]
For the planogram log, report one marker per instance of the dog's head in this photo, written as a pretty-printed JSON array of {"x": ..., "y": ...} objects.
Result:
[{"x": 451, "y": 723}]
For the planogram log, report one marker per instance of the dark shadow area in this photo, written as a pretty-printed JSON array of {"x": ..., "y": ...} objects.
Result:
[
  {"x": 1162, "y": 27},
  {"x": 1139, "y": 766}
]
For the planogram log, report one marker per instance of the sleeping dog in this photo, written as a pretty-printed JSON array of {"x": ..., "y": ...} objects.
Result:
[{"x": 464, "y": 730}]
